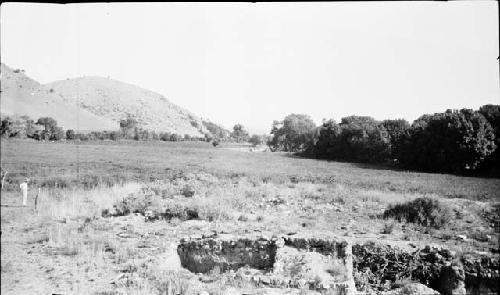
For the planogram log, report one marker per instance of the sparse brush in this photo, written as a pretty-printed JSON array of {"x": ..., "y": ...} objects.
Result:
[
  {"x": 137, "y": 203},
  {"x": 180, "y": 211},
  {"x": 422, "y": 211},
  {"x": 55, "y": 182},
  {"x": 188, "y": 190},
  {"x": 388, "y": 227}
]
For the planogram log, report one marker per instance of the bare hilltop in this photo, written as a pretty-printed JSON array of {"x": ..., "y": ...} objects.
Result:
[
  {"x": 95, "y": 103},
  {"x": 22, "y": 95}
]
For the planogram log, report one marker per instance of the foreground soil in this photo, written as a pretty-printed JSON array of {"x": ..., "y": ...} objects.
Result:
[{"x": 64, "y": 250}]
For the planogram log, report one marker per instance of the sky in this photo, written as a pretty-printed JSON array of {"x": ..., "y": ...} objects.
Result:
[{"x": 252, "y": 63}]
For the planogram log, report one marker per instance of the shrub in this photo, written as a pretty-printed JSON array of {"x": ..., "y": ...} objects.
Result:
[
  {"x": 55, "y": 182},
  {"x": 422, "y": 211},
  {"x": 188, "y": 190},
  {"x": 388, "y": 227},
  {"x": 180, "y": 211},
  {"x": 70, "y": 134},
  {"x": 256, "y": 140},
  {"x": 136, "y": 203}
]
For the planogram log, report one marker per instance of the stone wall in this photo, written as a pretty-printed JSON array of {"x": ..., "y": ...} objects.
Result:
[
  {"x": 201, "y": 255},
  {"x": 378, "y": 266},
  {"x": 325, "y": 263}
]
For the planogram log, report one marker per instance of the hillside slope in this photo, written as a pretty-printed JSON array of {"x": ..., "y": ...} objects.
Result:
[
  {"x": 22, "y": 95},
  {"x": 115, "y": 100}
]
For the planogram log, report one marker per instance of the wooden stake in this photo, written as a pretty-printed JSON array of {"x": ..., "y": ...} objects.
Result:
[
  {"x": 3, "y": 177},
  {"x": 169, "y": 288},
  {"x": 36, "y": 199}
]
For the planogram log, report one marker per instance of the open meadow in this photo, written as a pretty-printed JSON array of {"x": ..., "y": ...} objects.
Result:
[{"x": 131, "y": 218}]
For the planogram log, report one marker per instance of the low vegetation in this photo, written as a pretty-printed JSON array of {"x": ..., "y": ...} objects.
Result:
[
  {"x": 111, "y": 226},
  {"x": 422, "y": 211},
  {"x": 456, "y": 141}
]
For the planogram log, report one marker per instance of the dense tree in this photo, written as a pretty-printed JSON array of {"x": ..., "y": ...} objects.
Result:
[
  {"x": 175, "y": 137},
  {"x": 256, "y": 140},
  {"x": 128, "y": 128},
  {"x": 397, "y": 130},
  {"x": 114, "y": 135},
  {"x": 363, "y": 139},
  {"x": 30, "y": 128},
  {"x": 208, "y": 137},
  {"x": 165, "y": 136},
  {"x": 454, "y": 141},
  {"x": 57, "y": 133},
  {"x": 48, "y": 123},
  {"x": 294, "y": 134},
  {"x": 154, "y": 135},
  {"x": 51, "y": 130},
  {"x": 328, "y": 140},
  {"x": 6, "y": 127},
  {"x": 239, "y": 133},
  {"x": 492, "y": 114},
  {"x": 215, "y": 130}
]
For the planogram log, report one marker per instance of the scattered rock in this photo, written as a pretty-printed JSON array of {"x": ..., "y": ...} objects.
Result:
[
  {"x": 462, "y": 237},
  {"x": 413, "y": 289},
  {"x": 231, "y": 291}
]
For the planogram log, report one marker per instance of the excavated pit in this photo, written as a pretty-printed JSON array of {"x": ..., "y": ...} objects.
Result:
[
  {"x": 318, "y": 264},
  {"x": 326, "y": 263},
  {"x": 203, "y": 255}
]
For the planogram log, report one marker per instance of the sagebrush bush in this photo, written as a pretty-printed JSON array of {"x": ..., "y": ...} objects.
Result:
[
  {"x": 55, "y": 182},
  {"x": 188, "y": 190},
  {"x": 388, "y": 228},
  {"x": 180, "y": 211},
  {"x": 422, "y": 211},
  {"x": 136, "y": 203}
]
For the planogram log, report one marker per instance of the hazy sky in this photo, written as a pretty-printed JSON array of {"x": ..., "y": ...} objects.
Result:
[{"x": 255, "y": 63}]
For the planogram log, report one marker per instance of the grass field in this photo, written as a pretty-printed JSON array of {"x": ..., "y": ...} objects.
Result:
[
  {"x": 110, "y": 162},
  {"x": 89, "y": 234}
]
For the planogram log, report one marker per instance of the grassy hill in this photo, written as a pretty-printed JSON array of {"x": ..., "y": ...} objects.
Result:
[
  {"x": 22, "y": 95},
  {"x": 115, "y": 100}
]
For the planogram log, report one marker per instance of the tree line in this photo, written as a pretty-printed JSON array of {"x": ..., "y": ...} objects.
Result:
[
  {"x": 454, "y": 141},
  {"x": 46, "y": 128}
]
